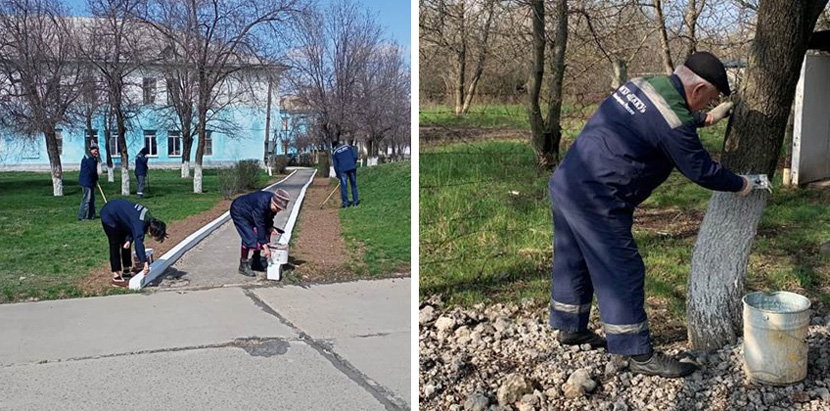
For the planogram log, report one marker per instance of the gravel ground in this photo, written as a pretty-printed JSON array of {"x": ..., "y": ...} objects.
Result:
[{"x": 505, "y": 357}]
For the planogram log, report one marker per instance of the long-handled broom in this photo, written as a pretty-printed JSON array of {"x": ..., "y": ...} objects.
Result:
[{"x": 330, "y": 194}]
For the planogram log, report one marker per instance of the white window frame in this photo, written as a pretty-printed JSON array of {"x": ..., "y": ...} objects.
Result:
[
  {"x": 115, "y": 150},
  {"x": 91, "y": 136},
  {"x": 208, "y": 150},
  {"x": 149, "y": 90},
  {"x": 151, "y": 134},
  {"x": 176, "y": 136}
]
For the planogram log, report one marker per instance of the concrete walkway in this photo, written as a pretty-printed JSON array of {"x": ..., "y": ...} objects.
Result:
[
  {"x": 338, "y": 346},
  {"x": 215, "y": 260},
  {"x": 209, "y": 340}
]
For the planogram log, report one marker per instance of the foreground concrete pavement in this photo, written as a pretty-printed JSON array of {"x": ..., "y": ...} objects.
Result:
[{"x": 337, "y": 346}]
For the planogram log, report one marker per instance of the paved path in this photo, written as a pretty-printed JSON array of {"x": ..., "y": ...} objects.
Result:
[
  {"x": 214, "y": 262},
  {"x": 211, "y": 341},
  {"x": 337, "y": 346}
]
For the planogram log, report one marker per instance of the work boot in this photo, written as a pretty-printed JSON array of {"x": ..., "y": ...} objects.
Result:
[
  {"x": 245, "y": 268},
  {"x": 581, "y": 337},
  {"x": 662, "y": 365}
]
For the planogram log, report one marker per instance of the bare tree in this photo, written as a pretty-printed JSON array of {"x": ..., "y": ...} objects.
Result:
[
  {"x": 752, "y": 145},
  {"x": 39, "y": 73},
  {"x": 384, "y": 99},
  {"x": 220, "y": 41},
  {"x": 114, "y": 46},
  {"x": 333, "y": 48},
  {"x": 546, "y": 134},
  {"x": 462, "y": 28}
]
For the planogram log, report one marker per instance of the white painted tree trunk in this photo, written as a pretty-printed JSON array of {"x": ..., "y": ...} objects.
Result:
[
  {"x": 110, "y": 175},
  {"x": 57, "y": 185},
  {"x": 125, "y": 180},
  {"x": 186, "y": 169},
  {"x": 719, "y": 262},
  {"x": 197, "y": 179},
  {"x": 100, "y": 168}
]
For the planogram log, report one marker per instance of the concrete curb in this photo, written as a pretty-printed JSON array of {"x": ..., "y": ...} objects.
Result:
[
  {"x": 162, "y": 263},
  {"x": 292, "y": 220}
]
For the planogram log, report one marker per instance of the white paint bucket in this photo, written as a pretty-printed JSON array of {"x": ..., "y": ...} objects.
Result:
[
  {"x": 775, "y": 337},
  {"x": 148, "y": 252},
  {"x": 279, "y": 256}
]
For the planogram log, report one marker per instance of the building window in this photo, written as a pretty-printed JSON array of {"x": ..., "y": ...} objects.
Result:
[
  {"x": 30, "y": 148},
  {"x": 208, "y": 143},
  {"x": 59, "y": 138},
  {"x": 115, "y": 148},
  {"x": 92, "y": 136},
  {"x": 149, "y": 90},
  {"x": 174, "y": 144},
  {"x": 150, "y": 143}
]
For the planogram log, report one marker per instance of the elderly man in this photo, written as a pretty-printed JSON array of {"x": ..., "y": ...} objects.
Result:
[
  {"x": 87, "y": 179},
  {"x": 253, "y": 215},
  {"x": 627, "y": 149}
]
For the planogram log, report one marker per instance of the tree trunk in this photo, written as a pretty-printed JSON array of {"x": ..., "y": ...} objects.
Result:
[
  {"x": 265, "y": 152},
  {"x": 620, "y": 74},
  {"x": 664, "y": 38},
  {"x": 200, "y": 148},
  {"x": 545, "y": 136},
  {"x": 54, "y": 161},
  {"x": 752, "y": 145},
  {"x": 690, "y": 20},
  {"x": 110, "y": 171},
  {"x": 187, "y": 146},
  {"x": 460, "y": 68},
  {"x": 557, "y": 69},
  {"x": 482, "y": 56}
]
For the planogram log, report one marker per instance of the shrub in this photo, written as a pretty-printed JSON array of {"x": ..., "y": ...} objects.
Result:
[
  {"x": 249, "y": 174},
  {"x": 279, "y": 163},
  {"x": 229, "y": 182}
]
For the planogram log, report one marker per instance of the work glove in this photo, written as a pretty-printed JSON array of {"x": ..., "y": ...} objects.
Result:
[
  {"x": 720, "y": 112},
  {"x": 755, "y": 182}
]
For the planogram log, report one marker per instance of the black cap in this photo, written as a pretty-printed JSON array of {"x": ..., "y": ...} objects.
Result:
[{"x": 709, "y": 68}]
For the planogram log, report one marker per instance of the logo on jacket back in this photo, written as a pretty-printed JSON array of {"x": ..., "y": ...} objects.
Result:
[
  {"x": 632, "y": 100},
  {"x": 342, "y": 149}
]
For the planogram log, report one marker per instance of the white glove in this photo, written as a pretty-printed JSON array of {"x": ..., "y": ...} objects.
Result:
[
  {"x": 755, "y": 182},
  {"x": 720, "y": 112}
]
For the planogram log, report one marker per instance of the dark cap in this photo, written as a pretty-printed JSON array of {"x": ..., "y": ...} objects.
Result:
[{"x": 709, "y": 68}]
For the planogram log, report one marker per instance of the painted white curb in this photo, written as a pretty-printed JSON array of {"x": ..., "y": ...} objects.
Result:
[
  {"x": 289, "y": 225},
  {"x": 164, "y": 262}
]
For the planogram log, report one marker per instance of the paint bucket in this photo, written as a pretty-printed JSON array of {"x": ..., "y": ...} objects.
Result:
[
  {"x": 148, "y": 252},
  {"x": 279, "y": 256},
  {"x": 775, "y": 337}
]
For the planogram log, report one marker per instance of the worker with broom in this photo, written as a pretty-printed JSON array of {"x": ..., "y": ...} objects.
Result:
[
  {"x": 126, "y": 223},
  {"x": 253, "y": 216},
  {"x": 87, "y": 179},
  {"x": 345, "y": 168},
  {"x": 627, "y": 148}
]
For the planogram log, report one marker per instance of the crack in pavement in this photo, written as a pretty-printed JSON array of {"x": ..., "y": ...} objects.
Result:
[
  {"x": 385, "y": 396},
  {"x": 254, "y": 346}
]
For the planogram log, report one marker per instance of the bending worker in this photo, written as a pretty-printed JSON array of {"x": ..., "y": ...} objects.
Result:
[
  {"x": 253, "y": 215},
  {"x": 124, "y": 223},
  {"x": 627, "y": 149}
]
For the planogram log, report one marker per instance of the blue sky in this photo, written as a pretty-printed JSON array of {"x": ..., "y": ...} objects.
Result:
[{"x": 394, "y": 15}]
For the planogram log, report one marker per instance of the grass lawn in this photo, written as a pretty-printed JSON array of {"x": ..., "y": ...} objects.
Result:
[
  {"x": 485, "y": 230},
  {"x": 379, "y": 229},
  {"x": 493, "y": 115},
  {"x": 45, "y": 250}
]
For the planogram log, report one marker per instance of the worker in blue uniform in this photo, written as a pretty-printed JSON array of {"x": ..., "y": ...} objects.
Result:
[
  {"x": 253, "y": 216},
  {"x": 141, "y": 167},
  {"x": 627, "y": 148},
  {"x": 345, "y": 167},
  {"x": 88, "y": 179},
  {"x": 124, "y": 223}
]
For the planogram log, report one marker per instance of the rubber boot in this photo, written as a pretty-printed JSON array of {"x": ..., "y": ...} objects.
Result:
[
  {"x": 662, "y": 365},
  {"x": 245, "y": 268},
  {"x": 256, "y": 262},
  {"x": 581, "y": 337}
]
